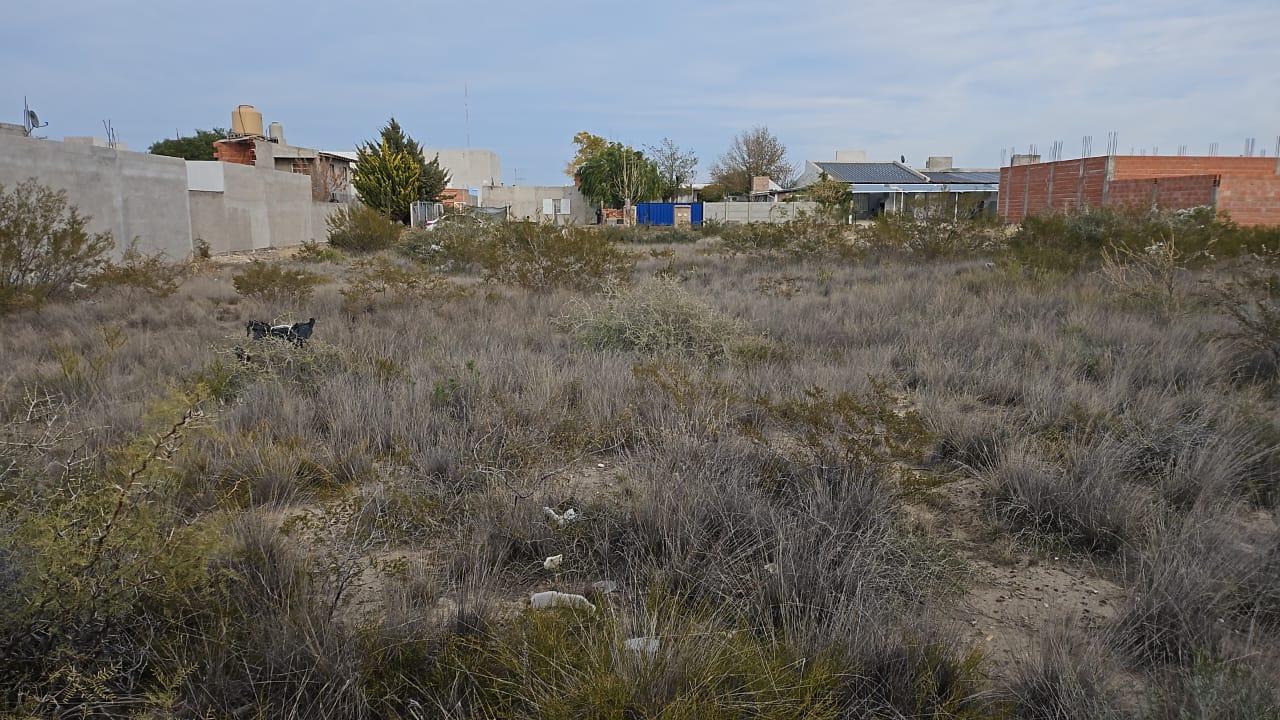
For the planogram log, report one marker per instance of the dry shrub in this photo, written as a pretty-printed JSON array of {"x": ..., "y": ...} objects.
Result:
[
  {"x": 1194, "y": 591},
  {"x": 44, "y": 247},
  {"x": 98, "y": 569},
  {"x": 1069, "y": 676},
  {"x": 645, "y": 235},
  {"x": 875, "y": 428},
  {"x": 276, "y": 283},
  {"x": 1149, "y": 275},
  {"x": 1250, "y": 298},
  {"x": 454, "y": 244},
  {"x": 1222, "y": 690},
  {"x": 540, "y": 257},
  {"x": 932, "y": 228},
  {"x": 381, "y": 281},
  {"x": 807, "y": 238},
  {"x": 314, "y": 252},
  {"x": 659, "y": 317},
  {"x": 1089, "y": 505},
  {"x": 148, "y": 273},
  {"x": 359, "y": 228},
  {"x": 1077, "y": 240}
]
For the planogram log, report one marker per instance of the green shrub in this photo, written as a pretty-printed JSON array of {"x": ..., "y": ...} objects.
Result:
[
  {"x": 149, "y": 273},
  {"x": 44, "y": 247},
  {"x": 643, "y": 235},
  {"x": 454, "y": 244},
  {"x": 380, "y": 281},
  {"x": 1069, "y": 242},
  {"x": 358, "y": 228},
  {"x": 98, "y": 572},
  {"x": 541, "y": 257},
  {"x": 933, "y": 228},
  {"x": 314, "y": 252},
  {"x": 660, "y": 317},
  {"x": 275, "y": 283},
  {"x": 806, "y": 238},
  {"x": 1250, "y": 298},
  {"x": 710, "y": 228}
]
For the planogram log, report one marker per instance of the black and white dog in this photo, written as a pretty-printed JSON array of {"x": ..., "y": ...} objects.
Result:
[{"x": 297, "y": 333}]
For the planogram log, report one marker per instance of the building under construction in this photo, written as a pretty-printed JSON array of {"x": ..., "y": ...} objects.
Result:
[{"x": 1247, "y": 189}]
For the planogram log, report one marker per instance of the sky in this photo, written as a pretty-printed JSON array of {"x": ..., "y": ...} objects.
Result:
[{"x": 896, "y": 79}]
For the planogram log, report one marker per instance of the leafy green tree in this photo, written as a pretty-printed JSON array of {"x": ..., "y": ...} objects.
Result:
[
  {"x": 832, "y": 196},
  {"x": 392, "y": 174},
  {"x": 618, "y": 176},
  {"x": 189, "y": 147},
  {"x": 588, "y": 146},
  {"x": 434, "y": 178},
  {"x": 711, "y": 192},
  {"x": 387, "y": 181}
]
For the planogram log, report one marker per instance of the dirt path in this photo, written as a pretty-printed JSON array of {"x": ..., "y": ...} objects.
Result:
[{"x": 1013, "y": 593}]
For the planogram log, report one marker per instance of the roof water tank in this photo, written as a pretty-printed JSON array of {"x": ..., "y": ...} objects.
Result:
[
  {"x": 246, "y": 120},
  {"x": 275, "y": 131}
]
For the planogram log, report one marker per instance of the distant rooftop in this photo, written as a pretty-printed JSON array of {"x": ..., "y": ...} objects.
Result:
[
  {"x": 871, "y": 172},
  {"x": 952, "y": 177}
]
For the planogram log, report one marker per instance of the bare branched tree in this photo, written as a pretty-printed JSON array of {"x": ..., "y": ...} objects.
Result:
[
  {"x": 755, "y": 152},
  {"x": 675, "y": 167},
  {"x": 633, "y": 179}
]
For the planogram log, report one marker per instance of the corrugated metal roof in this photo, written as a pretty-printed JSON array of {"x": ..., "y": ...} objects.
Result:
[
  {"x": 963, "y": 176},
  {"x": 871, "y": 172}
]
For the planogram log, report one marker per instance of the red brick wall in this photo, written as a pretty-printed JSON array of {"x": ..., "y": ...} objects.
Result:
[
  {"x": 1058, "y": 186},
  {"x": 1133, "y": 166},
  {"x": 1250, "y": 200},
  {"x": 1247, "y": 188},
  {"x": 1174, "y": 193},
  {"x": 231, "y": 151},
  {"x": 455, "y": 197}
]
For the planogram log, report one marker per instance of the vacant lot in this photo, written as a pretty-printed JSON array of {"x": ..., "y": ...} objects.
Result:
[{"x": 803, "y": 482}]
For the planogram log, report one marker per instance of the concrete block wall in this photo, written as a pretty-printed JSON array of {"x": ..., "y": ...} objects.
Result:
[
  {"x": 744, "y": 212},
  {"x": 524, "y": 202},
  {"x": 468, "y": 167},
  {"x": 129, "y": 194},
  {"x": 256, "y": 208}
]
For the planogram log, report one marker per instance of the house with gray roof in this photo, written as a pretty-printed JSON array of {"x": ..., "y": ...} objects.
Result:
[{"x": 892, "y": 187}]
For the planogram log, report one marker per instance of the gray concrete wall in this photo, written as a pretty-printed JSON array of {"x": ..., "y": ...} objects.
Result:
[
  {"x": 470, "y": 168},
  {"x": 320, "y": 212},
  {"x": 744, "y": 212},
  {"x": 257, "y": 208},
  {"x": 525, "y": 202},
  {"x": 126, "y": 193}
]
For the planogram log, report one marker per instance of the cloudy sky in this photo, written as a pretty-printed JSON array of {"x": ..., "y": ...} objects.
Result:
[{"x": 894, "y": 78}]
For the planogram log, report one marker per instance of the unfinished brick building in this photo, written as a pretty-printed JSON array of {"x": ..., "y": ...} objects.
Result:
[{"x": 1245, "y": 188}]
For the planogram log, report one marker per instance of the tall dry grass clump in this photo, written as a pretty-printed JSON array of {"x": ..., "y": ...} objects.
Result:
[{"x": 660, "y": 317}]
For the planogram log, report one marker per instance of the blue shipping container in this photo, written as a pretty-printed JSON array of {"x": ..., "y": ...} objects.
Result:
[{"x": 657, "y": 213}]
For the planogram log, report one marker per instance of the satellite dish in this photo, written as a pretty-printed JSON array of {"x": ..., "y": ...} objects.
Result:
[
  {"x": 30, "y": 119},
  {"x": 902, "y": 159}
]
